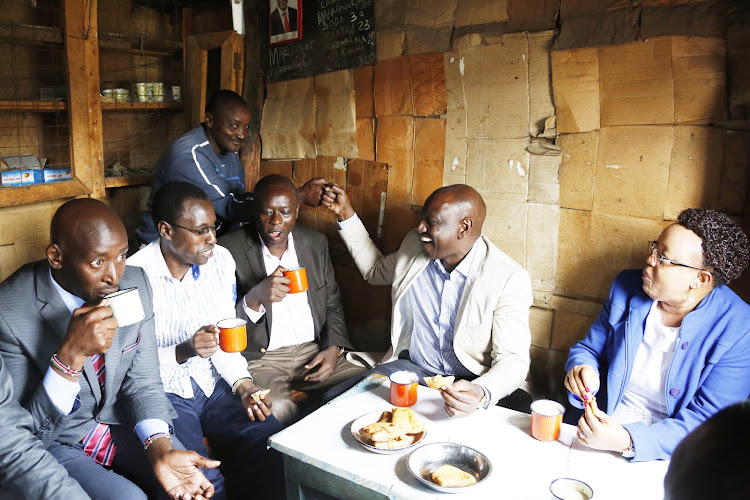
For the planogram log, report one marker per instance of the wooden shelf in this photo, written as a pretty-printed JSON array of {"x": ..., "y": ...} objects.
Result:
[
  {"x": 136, "y": 44},
  {"x": 31, "y": 34},
  {"x": 142, "y": 106},
  {"x": 133, "y": 180},
  {"x": 41, "y": 106},
  {"x": 21, "y": 195}
]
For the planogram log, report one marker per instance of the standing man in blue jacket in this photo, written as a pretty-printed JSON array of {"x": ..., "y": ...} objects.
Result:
[{"x": 207, "y": 156}]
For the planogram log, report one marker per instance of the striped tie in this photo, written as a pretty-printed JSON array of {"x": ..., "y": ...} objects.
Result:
[{"x": 98, "y": 442}]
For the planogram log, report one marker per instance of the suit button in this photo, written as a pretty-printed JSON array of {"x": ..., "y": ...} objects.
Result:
[
  {"x": 262, "y": 350},
  {"x": 674, "y": 392},
  {"x": 685, "y": 345}
]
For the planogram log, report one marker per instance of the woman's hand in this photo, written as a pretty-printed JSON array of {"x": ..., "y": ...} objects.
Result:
[
  {"x": 598, "y": 430},
  {"x": 583, "y": 382}
]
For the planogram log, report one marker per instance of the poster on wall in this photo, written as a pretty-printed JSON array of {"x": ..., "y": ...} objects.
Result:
[{"x": 310, "y": 37}]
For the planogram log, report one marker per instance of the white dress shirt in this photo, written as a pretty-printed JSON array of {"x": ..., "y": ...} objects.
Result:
[
  {"x": 292, "y": 320},
  {"x": 204, "y": 296}
]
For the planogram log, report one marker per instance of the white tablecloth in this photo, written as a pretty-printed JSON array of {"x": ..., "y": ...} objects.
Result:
[{"x": 522, "y": 466}]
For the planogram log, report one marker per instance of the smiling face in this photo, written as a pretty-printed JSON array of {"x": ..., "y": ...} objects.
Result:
[
  {"x": 667, "y": 282},
  {"x": 227, "y": 127},
  {"x": 276, "y": 215},
  {"x": 444, "y": 230},
  {"x": 183, "y": 248},
  {"x": 88, "y": 259}
]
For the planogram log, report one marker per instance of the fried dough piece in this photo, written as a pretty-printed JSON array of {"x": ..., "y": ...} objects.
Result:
[
  {"x": 404, "y": 417},
  {"x": 394, "y": 444},
  {"x": 450, "y": 476},
  {"x": 381, "y": 431},
  {"x": 257, "y": 394},
  {"x": 439, "y": 381}
]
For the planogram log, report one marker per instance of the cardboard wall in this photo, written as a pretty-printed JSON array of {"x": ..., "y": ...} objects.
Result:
[{"x": 582, "y": 154}]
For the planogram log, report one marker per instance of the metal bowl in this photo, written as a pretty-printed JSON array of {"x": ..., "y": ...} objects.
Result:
[
  {"x": 425, "y": 459},
  {"x": 567, "y": 488}
]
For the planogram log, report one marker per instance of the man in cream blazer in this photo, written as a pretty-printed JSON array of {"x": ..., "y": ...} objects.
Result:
[{"x": 460, "y": 305}]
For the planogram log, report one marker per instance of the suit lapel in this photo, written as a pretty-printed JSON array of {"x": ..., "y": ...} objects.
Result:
[
  {"x": 54, "y": 311},
  {"x": 254, "y": 256}
]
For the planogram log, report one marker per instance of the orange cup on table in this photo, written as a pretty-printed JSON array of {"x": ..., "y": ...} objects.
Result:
[
  {"x": 404, "y": 388},
  {"x": 298, "y": 277},
  {"x": 232, "y": 334},
  {"x": 546, "y": 419}
]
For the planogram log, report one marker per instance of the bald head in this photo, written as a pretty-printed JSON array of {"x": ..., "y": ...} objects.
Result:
[
  {"x": 88, "y": 246},
  {"x": 77, "y": 221},
  {"x": 452, "y": 219},
  {"x": 465, "y": 200}
]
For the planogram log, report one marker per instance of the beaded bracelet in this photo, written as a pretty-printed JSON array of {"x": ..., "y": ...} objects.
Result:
[
  {"x": 65, "y": 369},
  {"x": 154, "y": 437}
]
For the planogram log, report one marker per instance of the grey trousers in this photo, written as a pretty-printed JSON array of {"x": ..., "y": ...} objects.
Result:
[{"x": 282, "y": 370}]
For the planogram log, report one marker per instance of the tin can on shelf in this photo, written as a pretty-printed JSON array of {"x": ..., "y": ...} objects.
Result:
[{"x": 141, "y": 90}]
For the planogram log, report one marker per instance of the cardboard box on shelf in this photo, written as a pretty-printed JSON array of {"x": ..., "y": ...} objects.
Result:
[
  {"x": 21, "y": 177},
  {"x": 57, "y": 174}
]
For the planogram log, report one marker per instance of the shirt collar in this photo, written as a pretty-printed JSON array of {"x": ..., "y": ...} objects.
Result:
[
  {"x": 267, "y": 253},
  {"x": 72, "y": 302},
  {"x": 161, "y": 268},
  {"x": 463, "y": 267}
]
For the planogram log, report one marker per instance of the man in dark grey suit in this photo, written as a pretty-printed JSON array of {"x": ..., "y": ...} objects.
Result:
[
  {"x": 38, "y": 475},
  {"x": 295, "y": 341},
  {"x": 87, "y": 382}
]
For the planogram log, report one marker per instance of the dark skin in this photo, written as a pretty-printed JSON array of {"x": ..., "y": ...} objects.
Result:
[
  {"x": 451, "y": 222},
  {"x": 276, "y": 215},
  {"x": 87, "y": 258},
  {"x": 229, "y": 126},
  {"x": 182, "y": 249}
]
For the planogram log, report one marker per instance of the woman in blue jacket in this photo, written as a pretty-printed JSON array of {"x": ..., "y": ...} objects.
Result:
[{"x": 671, "y": 346}]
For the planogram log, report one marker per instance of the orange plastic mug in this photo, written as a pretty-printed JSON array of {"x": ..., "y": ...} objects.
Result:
[
  {"x": 546, "y": 419},
  {"x": 404, "y": 388},
  {"x": 298, "y": 277},
  {"x": 232, "y": 336}
]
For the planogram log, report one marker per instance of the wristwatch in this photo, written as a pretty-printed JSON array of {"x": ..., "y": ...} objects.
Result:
[
  {"x": 238, "y": 383},
  {"x": 628, "y": 452},
  {"x": 484, "y": 402}
]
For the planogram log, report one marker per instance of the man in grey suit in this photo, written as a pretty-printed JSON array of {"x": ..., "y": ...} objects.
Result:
[
  {"x": 38, "y": 475},
  {"x": 88, "y": 383},
  {"x": 295, "y": 341}
]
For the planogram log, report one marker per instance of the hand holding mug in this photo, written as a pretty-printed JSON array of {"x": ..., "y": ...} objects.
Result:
[
  {"x": 272, "y": 289},
  {"x": 90, "y": 331},
  {"x": 204, "y": 341}
]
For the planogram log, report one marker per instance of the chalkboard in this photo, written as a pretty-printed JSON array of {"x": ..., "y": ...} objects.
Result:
[{"x": 310, "y": 37}]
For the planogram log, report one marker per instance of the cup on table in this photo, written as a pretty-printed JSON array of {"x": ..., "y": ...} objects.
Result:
[
  {"x": 546, "y": 419},
  {"x": 404, "y": 388},
  {"x": 126, "y": 306},
  {"x": 232, "y": 335},
  {"x": 298, "y": 277}
]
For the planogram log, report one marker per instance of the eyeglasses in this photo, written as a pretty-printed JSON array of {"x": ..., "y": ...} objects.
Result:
[
  {"x": 202, "y": 231},
  {"x": 661, "y": 258}
]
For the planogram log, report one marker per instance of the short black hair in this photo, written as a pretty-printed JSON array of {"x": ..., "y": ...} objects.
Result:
[
  {"x": 712, "y": 461},
  {"x": 170, "y": 198},
  {"x": 221, "y": 98},
  {"x": 262, "y": 185},
  {"x": 725, "y": 245}
]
